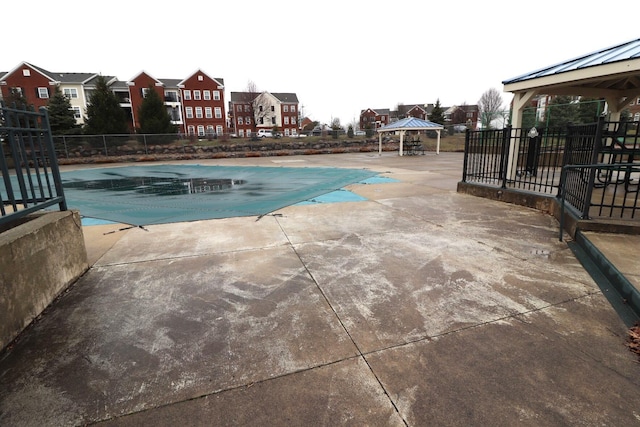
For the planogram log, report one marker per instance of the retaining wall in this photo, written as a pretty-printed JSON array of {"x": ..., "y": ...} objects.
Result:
[{"x": 41, "y": 257}]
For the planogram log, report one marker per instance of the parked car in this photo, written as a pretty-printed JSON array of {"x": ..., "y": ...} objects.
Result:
[
  {"x": 264, "y": 133},
  {"x": 359, "y": 133}
]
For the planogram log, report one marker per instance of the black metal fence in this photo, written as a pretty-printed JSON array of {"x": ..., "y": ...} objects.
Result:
[
  {"x": 30, "y": 178},
  {"x": 601, "y": 164}
]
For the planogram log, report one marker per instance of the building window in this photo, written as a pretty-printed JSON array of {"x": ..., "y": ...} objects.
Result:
[
  {"x": 286, "y": 132},
  {"x": 76, "y": 112},
  {"x": 26, "y": 72},
  {"x": 261, "y": 120},
  {"x": 216, "y": 95},
  {"x": 241, "y": 133},
  {"x": 207, "y": 112},
  {"x": 248, "y": 120},
  {"x": 293, "y": 108},
  {"x": 191, "y": 130},
  {"x": 240, "y": 121},
  {"x": 200, "y": 78},
  {"x": 70, "y": 93},
  {"x": 210, "y": 130},
  {"x": 286, "y": 120},
  {"x": 188, "y": 111},
  {"x": 293, "y": 120},
  {"x": 273, "y": 120},
  {"x": 196, "y": 95},
  {"x": 145, "y": 90},
  {"x": 187, "y": 95},
  {"x": 170, "y": 96},
  {"x": 206, "y": 95},
  {"x": 43, "y": 92},
  {"x": 218, "y": 112},
  {"x": 247, "y": 108},
  {"x": 198, "y": 112},
  {"x": 260, "y": 109},
  {"x": 239, "y": 108},
  {"x": 273, "y": 108},
  {"x": 219, "y": 130},
  {"x": 200, "y": 130}
]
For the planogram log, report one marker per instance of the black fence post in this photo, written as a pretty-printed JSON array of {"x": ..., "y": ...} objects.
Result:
[
  {"x": 465, "y": 160},
  {"x": 504, "y": 156},
  {"x": 53, "y": 160}
]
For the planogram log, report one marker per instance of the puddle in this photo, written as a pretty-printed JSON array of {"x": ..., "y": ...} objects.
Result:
[{"x": 158, "y": 186}]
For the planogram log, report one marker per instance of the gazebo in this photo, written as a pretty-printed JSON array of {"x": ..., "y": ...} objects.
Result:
[
  {"x": 408, "y": 124},
  {"x": 612, "y": 73}
]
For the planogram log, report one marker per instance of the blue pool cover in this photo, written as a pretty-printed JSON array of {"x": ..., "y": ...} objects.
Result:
[{"x": 143, "y": 195}]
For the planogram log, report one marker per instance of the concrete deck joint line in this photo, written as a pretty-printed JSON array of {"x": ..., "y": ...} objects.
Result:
[{"x": 343, "y": 326}]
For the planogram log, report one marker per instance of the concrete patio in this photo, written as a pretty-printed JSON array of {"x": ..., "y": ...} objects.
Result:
[{"x": 419, "y": 306}]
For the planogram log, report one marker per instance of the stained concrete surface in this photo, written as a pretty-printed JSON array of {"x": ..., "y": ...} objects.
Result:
[{"x": 420, "y": 306}]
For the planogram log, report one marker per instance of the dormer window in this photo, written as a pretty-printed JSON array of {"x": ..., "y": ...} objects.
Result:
[{"x": 26, "y": 72}]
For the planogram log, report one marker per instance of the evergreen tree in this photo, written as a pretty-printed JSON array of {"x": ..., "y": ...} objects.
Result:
[
  {"x": 437, "y": 114},
  {"x": 153, "y": 115},
  {"x": 104, "y": 114},
  {"x": 589, "y": 109},
  {"x": 562, "y": 111},
  {"x": 61, "y": 116},
  {"x": 18, "y": 99}
]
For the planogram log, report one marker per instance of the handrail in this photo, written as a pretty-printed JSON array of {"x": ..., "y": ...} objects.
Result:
[{"x": 35, "y": 182}]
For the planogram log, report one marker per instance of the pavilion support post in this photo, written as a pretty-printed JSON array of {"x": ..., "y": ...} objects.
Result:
[
  {"x": 520, "y": 101},
  {"x": 401, "y": 149},
  {"x": 438, "y": 142},
  {"x": 379, "y": 143}
]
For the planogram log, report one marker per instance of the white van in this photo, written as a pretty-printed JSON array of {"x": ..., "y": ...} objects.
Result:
[{"x": 264, "y": 133}]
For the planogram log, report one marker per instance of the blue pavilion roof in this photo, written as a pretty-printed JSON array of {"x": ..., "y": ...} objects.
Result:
[
  {"x": 621, "y": 52},
  {"x": 410, "y": 123}
]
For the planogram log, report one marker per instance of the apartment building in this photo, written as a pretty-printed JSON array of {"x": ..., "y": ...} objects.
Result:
[
  {"x": 374, "y": 118},
  {"x": 250, "y": 112},
  {"x": 196, "y": 104}
]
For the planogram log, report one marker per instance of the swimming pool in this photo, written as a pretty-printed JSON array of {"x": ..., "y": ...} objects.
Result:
[{"x": 144, "y": 195}]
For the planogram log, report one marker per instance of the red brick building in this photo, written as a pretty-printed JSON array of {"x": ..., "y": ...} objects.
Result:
[
  {"x": 374, "y": 119},
  {"x": 203, "y": 104}
]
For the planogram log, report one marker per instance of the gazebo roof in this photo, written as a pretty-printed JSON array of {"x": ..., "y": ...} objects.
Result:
[
  {"x": 607, "y": 72},
  {"x": 410, "y": 123},
  {"x": 612, "y": 73},
  {"x": 622, "y": 52}
]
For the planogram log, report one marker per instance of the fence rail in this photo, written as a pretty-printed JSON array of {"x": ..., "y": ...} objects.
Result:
[
  {"x": 30, "y": 178},
  {"x": 604, "y": 160}
]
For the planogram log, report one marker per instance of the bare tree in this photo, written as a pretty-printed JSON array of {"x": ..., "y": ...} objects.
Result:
[
  {"x": 260, "y": 104},
  {"x": 489, "y": 107}
]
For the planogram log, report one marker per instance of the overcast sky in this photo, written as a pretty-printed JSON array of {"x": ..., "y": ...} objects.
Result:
[{"x": 339, "y": 57}]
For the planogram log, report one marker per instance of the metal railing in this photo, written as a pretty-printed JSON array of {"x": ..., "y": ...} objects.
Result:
[
  {"x": 30, "y": 178},
  {"x": 536, "y": 166},
  {"x": 593, "y": 167}
]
